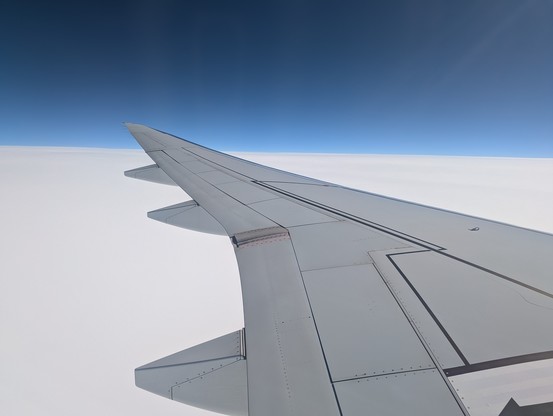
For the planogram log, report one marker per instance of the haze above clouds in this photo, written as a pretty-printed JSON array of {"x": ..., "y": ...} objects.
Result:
[{"x": 91, "y": 288}]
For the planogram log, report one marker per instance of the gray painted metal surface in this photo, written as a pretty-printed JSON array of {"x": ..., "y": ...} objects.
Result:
[
  {"x": 150, "y": 173},
  {"x": 247, "y": 169},
  {"x": 289, "y": 214},
  {"x": 437, "y": 341},
  {"x": 356, "y": 303},
  {"x": 222, "y": 391},
  {"x": 336, "y": 244},
  {"x": 446, "y": 284},
  {"x": 245, "y": 192},
  {"x": 287, "y": 374},
  {"x": 419, "y": 393},
  {"x": 234, "y": 216},
  {"x": 211, "y": 375},
  {"x": 363, "y": 331},
  {"x": 216, "y": 177},
  {"x": 229, "y": 345},
  {"x": 495, "y": 246},
  {"x": 188, "y": 215},
  {"x": 181, "y": 157}
]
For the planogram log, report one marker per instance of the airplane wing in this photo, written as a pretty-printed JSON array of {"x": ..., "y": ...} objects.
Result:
[{"x": 356, "y": 303}]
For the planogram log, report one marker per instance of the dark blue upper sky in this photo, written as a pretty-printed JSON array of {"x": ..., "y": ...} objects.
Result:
[{"x": 414, "y": 77}]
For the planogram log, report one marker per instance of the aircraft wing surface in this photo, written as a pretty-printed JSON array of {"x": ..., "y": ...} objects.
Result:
[{"x": 355, "y": 303}]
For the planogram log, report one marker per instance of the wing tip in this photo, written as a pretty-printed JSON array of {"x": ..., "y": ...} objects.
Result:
[{"x": 132, "y": 126}]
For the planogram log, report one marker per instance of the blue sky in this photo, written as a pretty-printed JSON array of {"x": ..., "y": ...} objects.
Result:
[{"x": 428, "y": 77}]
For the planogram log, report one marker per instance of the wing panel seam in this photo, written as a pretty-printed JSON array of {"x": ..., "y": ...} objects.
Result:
[{"x": 395, "y": 233}]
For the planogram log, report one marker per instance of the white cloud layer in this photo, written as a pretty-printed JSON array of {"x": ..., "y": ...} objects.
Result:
[{"x": 90, "y": 288}]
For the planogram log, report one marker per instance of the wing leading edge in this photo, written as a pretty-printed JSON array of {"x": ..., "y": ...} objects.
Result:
[{"x": 356, "y": 302}]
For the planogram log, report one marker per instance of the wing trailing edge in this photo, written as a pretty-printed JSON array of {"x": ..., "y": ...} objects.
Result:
[
  {"x": 356, "y": 301},
  {"x": 211, "y": 375},
  {"x": 150, "y": 173},
  {"x": 188, "y": 215}
]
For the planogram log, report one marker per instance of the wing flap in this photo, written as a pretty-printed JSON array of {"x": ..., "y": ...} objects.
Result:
[
  {"x": 287, "y": 373},
  {"x": 419, "y": 393},
  {"x": 150, "y": 173},
  {"x": 211, "y": 376},
  {"x": 418, "y": 296},
  {"x": 234, "y": 216},
  {"x": 511, "y": 251},
  {"x": 487, "y": 337},
  {"x": 188, "y": 215},
  {"x": 236, "y": 201},
  {"x": 337, "y": 244},
  {"x": 363, "y": 331}
]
